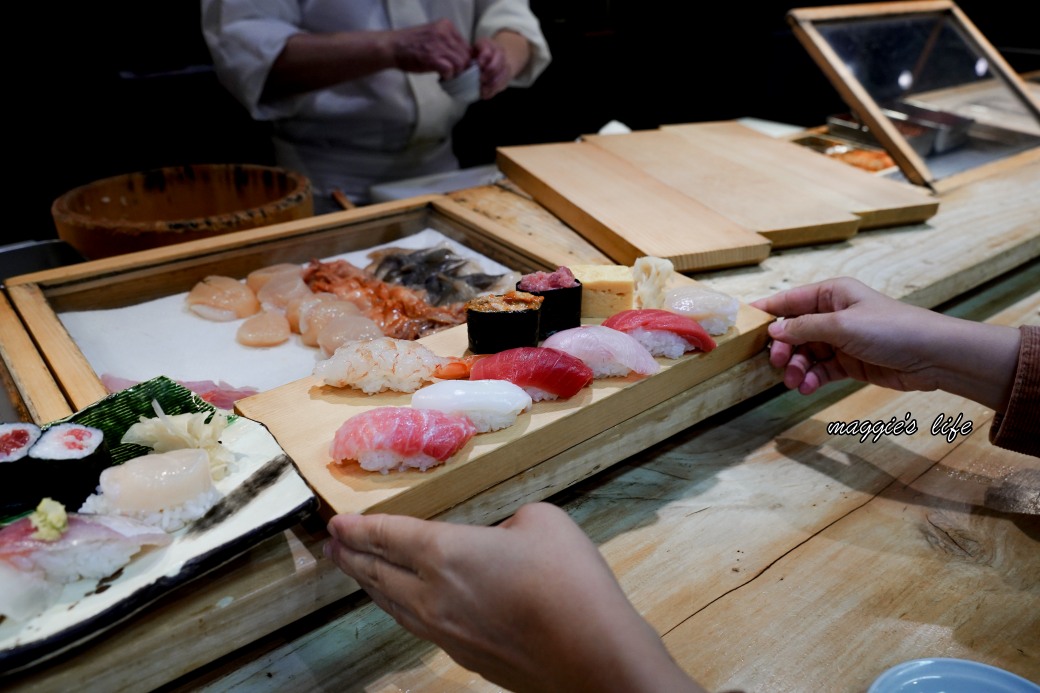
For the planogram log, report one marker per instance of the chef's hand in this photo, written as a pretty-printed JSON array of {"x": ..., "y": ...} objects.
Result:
[
  {"x": 529, "y": 604},
  {"x": 500, "y": 58},
  {"x": 841, "y": 328},
  {"x": 434, "y": 47}
]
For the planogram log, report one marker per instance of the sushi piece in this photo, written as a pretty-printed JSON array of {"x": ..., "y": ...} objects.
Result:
[
  {"x": 561, "y": 290},
  {"x": 606, "y": 351},
  {"x": 168, "y": 490},
  {"x": 499, "y": 322},
  {"x": 400, "y": 438},
  {"x": 26, "y": 593},
  {"x": 489, "y": 404},
  {"x": 63, "y": 462},
  {"x": 380, "y": 364},
  {"x": 85, "y": 546},
  {"x": 662, "y": 332},
  {"x": 16, "y": 439},
  {"x": 714, "y": 310},
  {"x": 543, "y": 373},
  {"x": 222, "y": 299}
]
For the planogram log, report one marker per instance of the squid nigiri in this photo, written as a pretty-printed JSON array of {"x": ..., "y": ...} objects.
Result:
[
  {"x": 400, "y": 438},
  {"x": 544, "y": 373},
  {"x": 662, "y": 332},
  {"x": 608, "y": 352},
  {"x": 489, "y": 404}
]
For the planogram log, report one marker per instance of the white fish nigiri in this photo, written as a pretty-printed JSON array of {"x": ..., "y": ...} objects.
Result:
[
  {"x": 715, "y": 311},
  {"x": 606, "y": 351},
  {"x": 489, "y": 404}
]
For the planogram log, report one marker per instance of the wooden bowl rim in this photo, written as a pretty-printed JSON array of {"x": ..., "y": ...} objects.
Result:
[{"x": 64, "y": 215}]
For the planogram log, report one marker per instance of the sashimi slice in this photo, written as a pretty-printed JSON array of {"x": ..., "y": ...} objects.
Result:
[
  {"x": 93, "y": 546},
  {"x": 265, "y": 329},
  {"x": 608, "y": 352},
  {"x": 400, "y": 438},
  {"x": 544, "y": 373},
  {"x": 222, "y": 299},
  {"x": 642, "y": 323}
]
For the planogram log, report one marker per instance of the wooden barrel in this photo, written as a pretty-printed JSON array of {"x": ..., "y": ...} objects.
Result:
[{"x": 147, "y": 209}]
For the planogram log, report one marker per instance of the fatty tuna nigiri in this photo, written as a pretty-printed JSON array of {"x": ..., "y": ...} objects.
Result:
[
  {"x": 401, "y": 438},
  {"x": 662, "y": 332},
  {"x": 544, "y": 373}
]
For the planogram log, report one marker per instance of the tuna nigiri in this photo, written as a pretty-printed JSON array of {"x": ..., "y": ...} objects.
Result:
[
  {"x": 489, "y": 404},
  {"x": 400, "y": 438},
  {"x": 606, "y": 351},
  {"x": 544, "y": 373},
  {"x": 662, "y": 332}
]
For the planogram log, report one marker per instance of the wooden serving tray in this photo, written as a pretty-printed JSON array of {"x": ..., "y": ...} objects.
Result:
[
  {"x": 34, "y": 335},
  {"x": 626, "y": 212},
  {"x": 304, "y": 415},
  {"x": 877, "y": 201},
  {"x": 764, "y": 200}
]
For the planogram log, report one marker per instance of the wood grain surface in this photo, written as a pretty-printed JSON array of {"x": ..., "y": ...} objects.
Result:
[
  {"x": 626, "y": 212},
  {"x": 877, "y": 201},
  {"x": 767, "y": 201}
]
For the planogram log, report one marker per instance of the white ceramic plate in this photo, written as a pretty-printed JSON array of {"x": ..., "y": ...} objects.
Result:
[
  {"x": 944, "y": 675},
  {"x": 263, "y": 495}
]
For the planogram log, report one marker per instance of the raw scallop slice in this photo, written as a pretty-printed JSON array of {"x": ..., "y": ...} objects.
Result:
[
  {"x": 269, "y": 328},
  {"x": 222, "y": 299}
]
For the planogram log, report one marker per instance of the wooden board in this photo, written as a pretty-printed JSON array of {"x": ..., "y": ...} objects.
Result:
[
  {"x": 626, "y": 212},
  {"x": 764, "y": 200},
  {"x": 305, "y": 414},
  {"x": 877, "y": 201}
]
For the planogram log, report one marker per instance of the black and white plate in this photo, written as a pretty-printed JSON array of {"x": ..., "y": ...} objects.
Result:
[{"x": 262, "y": 495}]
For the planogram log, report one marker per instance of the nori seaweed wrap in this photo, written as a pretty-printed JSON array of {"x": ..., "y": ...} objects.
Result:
[{"x": 499, "y": 322}]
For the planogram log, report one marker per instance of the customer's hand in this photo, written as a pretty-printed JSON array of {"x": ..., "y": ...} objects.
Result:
[
  {"x": 841, "y": 328},
  {"x": 529, "y": 604}
]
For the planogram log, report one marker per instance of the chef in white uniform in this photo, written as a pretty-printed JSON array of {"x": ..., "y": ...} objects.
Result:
[{"x": 352, "y": 87}]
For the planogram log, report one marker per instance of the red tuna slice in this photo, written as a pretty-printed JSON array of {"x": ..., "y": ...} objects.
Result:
[
  {"x": 652, "y": 319},
  {"x": 542, "y": 368}
]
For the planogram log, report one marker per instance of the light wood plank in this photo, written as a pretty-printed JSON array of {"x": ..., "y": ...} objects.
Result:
[
  {"x": 626, "y": 212},
  {"x": 879, "y": 202},
  {"x": 25, "y": 373},
  {"x": 765, "y": 201}
]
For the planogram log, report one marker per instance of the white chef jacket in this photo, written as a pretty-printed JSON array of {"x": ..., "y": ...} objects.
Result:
[{"x": 387, "y": 126}]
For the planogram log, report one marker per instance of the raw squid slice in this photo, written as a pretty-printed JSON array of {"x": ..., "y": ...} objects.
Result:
[
  {"x": 265, "y": 329},
  {"x": 400, "y": 438},
  {"x": 222, "y": 299},
  {"x": 489, "y": 404}
]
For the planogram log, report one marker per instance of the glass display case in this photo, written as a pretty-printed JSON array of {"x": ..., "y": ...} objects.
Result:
[{"x": 924, "y": 84}]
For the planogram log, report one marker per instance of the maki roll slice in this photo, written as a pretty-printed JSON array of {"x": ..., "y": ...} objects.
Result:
[
  {"x": 561, "y": 290},
  {"x": 15, "y": 441},
  {"x": 64, "y": 463},
  {"x": 497, "y": 322}
]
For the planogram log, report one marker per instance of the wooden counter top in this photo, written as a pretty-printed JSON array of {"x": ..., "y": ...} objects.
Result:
[{"x": 745, "y": 535}]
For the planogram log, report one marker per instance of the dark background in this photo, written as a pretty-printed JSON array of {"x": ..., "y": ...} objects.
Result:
[{"x": 123, "y": 86}]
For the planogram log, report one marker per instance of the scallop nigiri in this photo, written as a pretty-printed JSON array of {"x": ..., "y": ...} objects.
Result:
[
  {"x": 543, "y": 373},
  {"x": 608, "y": 352},
  {"x": 400, "y": 438},
  {"x": 489, "y": 404},
  {"x": 662, "y": 332}
]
